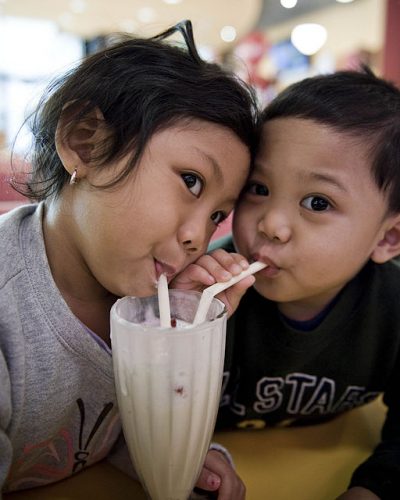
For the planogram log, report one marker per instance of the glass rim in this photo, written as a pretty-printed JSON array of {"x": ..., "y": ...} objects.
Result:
[{"x": 172, "y": 330}]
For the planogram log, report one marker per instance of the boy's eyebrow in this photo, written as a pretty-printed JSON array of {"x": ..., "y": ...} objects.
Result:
[{"x": 329, "y": 179}]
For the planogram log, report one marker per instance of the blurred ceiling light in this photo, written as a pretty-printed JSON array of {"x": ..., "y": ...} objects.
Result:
[
  {"x": 128, "y": 25},
  {"x": 77, "y": 6},
  {"x": 344, "y": 1},
  {"x": 172, "y": 2},
  {"x": 308, "y": 38},
  {"x": 228, "y": 33},
  {"x": 146, "y": 14},
  {"x": 65, "y": 19},
  {"x": 288, "y": 4},
  {"x": 206, "y": 52}
]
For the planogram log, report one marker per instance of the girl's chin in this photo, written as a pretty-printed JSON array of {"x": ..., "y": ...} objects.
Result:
[
  {"x": 147, "y": 290},
  {"x": 130, "y": 285}
]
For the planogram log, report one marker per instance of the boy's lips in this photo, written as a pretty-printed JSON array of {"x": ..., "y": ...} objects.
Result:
[{"x": 270, "y": 263}]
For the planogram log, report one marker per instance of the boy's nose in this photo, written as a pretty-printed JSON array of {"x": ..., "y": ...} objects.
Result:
[{"x": 275, "y": 226}]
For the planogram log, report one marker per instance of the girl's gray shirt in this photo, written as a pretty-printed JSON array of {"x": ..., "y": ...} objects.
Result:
[{"x": 58, "y": 408}]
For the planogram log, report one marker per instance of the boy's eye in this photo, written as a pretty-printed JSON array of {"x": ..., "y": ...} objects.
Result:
[
  {"x": 257, "y": 189},
  {"x": 316, "y": 203},
  {"x": 194, "y": 183},
  {"x": 218, "y": 217}
]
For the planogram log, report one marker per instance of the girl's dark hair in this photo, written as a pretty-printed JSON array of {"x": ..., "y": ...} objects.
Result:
[
  {"x": 141, "y": 86},
  {"x": 357, "y": 103}
]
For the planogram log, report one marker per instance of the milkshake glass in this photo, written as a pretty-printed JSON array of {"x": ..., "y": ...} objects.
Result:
[{"x": 168, "y": 383}]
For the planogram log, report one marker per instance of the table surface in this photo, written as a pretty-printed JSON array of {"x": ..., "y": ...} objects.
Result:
[{"x": 306, "y": 463}]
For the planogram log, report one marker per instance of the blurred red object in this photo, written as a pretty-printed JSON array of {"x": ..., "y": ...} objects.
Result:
[
  {"x": 223, "y": 229},
  {"x": 251, "y": 50},
  {"x": 9, "y": 198}
]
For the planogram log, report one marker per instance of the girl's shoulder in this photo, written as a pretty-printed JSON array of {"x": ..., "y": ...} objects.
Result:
[
  {"x": 10, "y": 220},
  {"x": 11, "y": 238}
]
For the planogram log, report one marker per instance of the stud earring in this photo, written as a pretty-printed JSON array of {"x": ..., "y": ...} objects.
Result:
[{"x": 74, "y": 177}]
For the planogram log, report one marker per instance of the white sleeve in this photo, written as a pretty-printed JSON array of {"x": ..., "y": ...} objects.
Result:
[{"x": 224, "y": 451}]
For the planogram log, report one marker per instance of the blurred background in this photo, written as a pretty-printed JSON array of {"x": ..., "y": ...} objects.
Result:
[{"x": 269, "y": 43}]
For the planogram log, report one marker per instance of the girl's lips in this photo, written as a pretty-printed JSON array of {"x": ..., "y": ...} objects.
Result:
[{"x": 163, "y": 268}]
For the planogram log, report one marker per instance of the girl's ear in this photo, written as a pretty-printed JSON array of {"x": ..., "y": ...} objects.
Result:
[
  {"x": 77, "y": 139},
  {"x": 389, "y": 246}
]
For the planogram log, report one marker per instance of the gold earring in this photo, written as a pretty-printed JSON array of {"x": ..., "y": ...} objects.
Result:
[{"x": 74, "y": 177}]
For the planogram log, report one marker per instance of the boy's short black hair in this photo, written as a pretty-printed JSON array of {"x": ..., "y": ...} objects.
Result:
[
  {"x": 140, "y": 86},
  {"x": 357, "y": 103}
]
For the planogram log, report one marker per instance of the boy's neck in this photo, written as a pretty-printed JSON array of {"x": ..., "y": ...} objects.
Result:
[{"x": 307, "y": 309}]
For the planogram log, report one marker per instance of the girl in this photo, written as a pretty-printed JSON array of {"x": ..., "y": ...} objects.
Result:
[{"x": 139, "y": 153}]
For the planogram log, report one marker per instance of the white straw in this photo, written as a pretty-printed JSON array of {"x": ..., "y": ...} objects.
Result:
[
  {"x": 163, "y": 302},
  {"x": 211, "y": 291}
]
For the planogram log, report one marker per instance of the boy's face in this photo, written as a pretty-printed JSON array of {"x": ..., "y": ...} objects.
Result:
[{"x": 312, "y": 211}]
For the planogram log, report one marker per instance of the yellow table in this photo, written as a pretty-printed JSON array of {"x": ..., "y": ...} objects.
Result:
[{"x": 305, "y": 463}]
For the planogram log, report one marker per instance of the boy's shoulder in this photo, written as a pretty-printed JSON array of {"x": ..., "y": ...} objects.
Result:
[
  {"x": 389, "y": 271},
  {"x": 379, "y": 283}
]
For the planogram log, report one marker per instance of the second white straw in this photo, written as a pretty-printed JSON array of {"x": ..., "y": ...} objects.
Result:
[{"x": 211, "y": 291}]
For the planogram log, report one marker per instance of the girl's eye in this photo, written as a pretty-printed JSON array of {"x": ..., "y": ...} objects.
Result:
[
  {"x": 194, "y": 183},
  {"x": 257, "y": 189},
  {"x": 218, "y": 217},
  {"x": 316, "y": 203}
]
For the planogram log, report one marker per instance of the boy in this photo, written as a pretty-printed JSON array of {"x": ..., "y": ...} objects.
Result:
[{"x": 319, "y": 333}]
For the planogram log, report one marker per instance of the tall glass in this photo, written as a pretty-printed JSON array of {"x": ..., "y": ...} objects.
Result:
[{"x": 168, "y": 383}]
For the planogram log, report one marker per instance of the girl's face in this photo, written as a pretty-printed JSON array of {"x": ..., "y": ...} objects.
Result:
[
  {"x": 312, "y": 211},
  {"x": 162, "y": 217}
]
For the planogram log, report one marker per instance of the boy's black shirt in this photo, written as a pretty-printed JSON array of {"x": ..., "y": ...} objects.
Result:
[{"x": 277, "y": 375}]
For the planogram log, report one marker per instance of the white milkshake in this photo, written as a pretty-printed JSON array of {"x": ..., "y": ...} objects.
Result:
[{"x": 168, "y": 386}]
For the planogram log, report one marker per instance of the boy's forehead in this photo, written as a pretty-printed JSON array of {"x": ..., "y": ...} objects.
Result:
[
  {"x": 297, "y": 139},
  {"x": 294, "y": 127},
  {"x": 294, "y": 130},
  {"x": 310, "y": 151}
]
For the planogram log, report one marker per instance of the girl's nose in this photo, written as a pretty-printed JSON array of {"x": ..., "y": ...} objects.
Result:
[
  {"x": 275, "y": 226},
  {"x": 189, "y": 246},
  {"x": 192, "y": 236}
]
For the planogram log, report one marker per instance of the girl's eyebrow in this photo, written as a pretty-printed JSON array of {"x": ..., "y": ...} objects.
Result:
[{"x": 217, "y": 172}]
